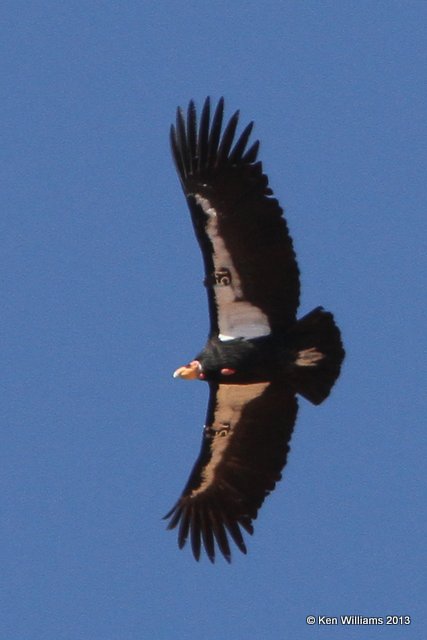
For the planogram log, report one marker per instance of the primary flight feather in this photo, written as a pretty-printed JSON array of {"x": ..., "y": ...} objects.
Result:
[{"x": 258, "y": 356}]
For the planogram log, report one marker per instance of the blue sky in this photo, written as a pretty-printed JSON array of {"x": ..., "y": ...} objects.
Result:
[{"x": 102, "y": 300}]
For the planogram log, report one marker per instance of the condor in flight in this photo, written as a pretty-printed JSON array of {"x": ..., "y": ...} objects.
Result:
[{"x": 258, "y": 356}]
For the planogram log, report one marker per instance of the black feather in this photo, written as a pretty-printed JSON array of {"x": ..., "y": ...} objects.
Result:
[
  {"x": 239, "y": 148},
  {"x": 191, "y": 136},
  {"x": 202, "y": 150},
  {"x": 215, "y": 132},
  {"x": 227, "y": 139}
]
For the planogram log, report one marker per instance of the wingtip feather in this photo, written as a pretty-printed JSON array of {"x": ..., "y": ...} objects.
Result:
[{"x": 205, "y": 145}]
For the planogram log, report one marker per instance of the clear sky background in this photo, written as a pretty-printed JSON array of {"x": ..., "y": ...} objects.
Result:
[{"x": 101, "y": 299}]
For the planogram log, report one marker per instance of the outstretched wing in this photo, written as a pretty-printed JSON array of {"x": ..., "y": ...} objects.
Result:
[
  {"x": 244, "y": 448},
  {"x": 251, "y": 273}
]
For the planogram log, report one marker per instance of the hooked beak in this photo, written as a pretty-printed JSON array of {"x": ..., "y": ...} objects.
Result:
[{"x": 191, "y": 371}]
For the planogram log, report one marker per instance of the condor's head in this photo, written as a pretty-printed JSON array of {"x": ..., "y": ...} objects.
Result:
[{"x": 194, "y": 370}]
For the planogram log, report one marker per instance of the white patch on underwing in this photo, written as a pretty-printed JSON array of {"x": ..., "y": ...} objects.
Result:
[
  {"x": 231, "y": 399},
  {"x": 309, "y": 357},
  {"x": 237, "y": 318}
]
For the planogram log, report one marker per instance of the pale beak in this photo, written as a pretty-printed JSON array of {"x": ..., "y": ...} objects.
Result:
[{"x": 189, "y": 372}]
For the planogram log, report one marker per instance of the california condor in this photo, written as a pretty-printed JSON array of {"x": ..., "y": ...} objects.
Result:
[{"x": 258, "y": 356}]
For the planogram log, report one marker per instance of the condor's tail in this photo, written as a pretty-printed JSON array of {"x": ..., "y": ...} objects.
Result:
[{"x": 318, "y": 353}]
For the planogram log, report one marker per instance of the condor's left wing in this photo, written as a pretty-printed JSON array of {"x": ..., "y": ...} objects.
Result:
[
  {"x": 251, "y": 273},
  {"x": 244, "y": 449}
]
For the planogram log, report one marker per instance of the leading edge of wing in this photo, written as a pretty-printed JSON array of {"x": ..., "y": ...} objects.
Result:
[{"x": 244, "y": 449}]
